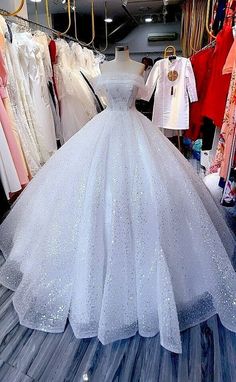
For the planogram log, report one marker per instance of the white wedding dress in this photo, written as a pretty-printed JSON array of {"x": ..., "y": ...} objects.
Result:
[{"x": 117, "y": 234}]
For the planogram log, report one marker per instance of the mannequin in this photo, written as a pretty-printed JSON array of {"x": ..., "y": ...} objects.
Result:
[{"x": 122, "y": 63}]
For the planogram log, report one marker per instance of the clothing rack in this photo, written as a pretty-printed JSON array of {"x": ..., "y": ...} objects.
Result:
[{"x": 28, "y": 23}]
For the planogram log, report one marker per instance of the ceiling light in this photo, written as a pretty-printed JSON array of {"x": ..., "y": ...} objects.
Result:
[
  {"x": 63, "y": 1},
  {"x": 148, "y": 19},
  {"x": 36, "y": 1},
  {"x": 108, "y": 20}
]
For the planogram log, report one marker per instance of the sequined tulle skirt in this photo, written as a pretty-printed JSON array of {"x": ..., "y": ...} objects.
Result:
[{"x": 117, "y": 234}]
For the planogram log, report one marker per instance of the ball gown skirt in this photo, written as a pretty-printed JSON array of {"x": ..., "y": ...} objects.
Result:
[{"x": 117, "y": 234}]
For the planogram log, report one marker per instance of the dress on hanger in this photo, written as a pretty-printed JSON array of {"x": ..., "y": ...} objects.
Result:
[
  {"x": 175, "y": 86},
  {"x": 21, "y": 109},
  {"x": 218, "y": 86},
  {"x": 8, "y": 173},
  {"x": 7, "y": 125},
  {"x": 31, "y": 60},
  {"x": 77, "y": 104},
  {"x": 200, "y": 64},
  {"x": 228, "y": 131},
  {"x": 38, "y": 78},
  {"x": 106, "y": 234},
  {"x": 47, "y": 72}
]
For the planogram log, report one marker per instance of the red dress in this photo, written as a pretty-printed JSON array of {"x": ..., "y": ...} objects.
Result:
[
  {"x": 200, "y": 63},
  {"x": 218, "y": 87},
  {"x": 53, "y": 54}
]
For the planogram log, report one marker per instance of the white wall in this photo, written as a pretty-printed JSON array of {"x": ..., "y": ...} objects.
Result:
[
  {"x": 12, "y": 5},
  {"x": 139, "y": 45}
]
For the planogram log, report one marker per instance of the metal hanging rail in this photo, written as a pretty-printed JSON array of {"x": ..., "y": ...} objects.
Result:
[{"x": 27, "y": 23}]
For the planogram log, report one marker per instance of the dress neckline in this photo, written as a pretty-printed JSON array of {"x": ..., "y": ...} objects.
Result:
[{"x": 120, "y": 75}]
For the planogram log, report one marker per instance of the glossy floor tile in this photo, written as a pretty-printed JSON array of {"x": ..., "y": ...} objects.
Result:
[{"x": 209, "y": 354}]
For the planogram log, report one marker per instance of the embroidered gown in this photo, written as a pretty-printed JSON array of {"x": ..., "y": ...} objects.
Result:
[{"x": 116, "y": 239}]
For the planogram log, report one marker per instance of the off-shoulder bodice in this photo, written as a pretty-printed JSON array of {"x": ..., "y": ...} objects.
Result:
[{"x": 119, "y": 90}]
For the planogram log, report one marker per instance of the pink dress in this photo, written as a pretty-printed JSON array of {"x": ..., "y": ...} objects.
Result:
[
  {"x": 5, "y": 120},
  {"x": 228, "y": 130}
]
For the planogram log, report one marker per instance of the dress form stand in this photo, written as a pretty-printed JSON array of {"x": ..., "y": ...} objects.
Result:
[{"x": 122, "y": 63}]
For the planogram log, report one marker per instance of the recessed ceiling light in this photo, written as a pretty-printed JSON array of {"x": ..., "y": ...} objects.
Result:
[
  {"x": 108, "y": 20},
  {"x": 148, "y": 19},
  {"x": 36, "y": 1}
]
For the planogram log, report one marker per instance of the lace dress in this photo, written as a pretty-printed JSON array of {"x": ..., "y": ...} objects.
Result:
[
  {"x": 77, "y": 105},
  {"x": 21, "y": 111},
  {"x": 116, "y": 239}
]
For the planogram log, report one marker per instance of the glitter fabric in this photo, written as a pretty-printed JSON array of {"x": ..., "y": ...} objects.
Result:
[{"x": 117, "y": 234}]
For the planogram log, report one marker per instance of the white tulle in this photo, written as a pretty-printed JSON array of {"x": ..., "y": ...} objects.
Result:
[{"x": 117, "y": 234}]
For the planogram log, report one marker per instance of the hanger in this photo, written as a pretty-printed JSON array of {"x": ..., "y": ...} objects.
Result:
[
  {"x": 16, "y": 11},
  {"x": 192, "y": 28},
  {"x": 36, "y": 12},
  {"x": 47, "y": 13},
  {"x": 75, "y": 21},
  {"x": 208, "y": 29},
  {"x": 170, "y": 52},
  {"x": 106, "y": 27},
  {"x": 93, "y": 24},
  {"x": 69, "y": 20}
]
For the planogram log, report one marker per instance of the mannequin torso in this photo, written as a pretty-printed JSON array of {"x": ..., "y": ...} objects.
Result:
[{"x": 122, "y": 63}]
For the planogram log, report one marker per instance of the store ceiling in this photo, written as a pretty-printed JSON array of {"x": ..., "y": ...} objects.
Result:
[
  {"x": 135, "y": 7},
  {"x": 125, "y": 19}
]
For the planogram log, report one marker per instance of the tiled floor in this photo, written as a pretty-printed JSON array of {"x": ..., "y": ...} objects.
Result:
[{"x": 209, "y": 354}]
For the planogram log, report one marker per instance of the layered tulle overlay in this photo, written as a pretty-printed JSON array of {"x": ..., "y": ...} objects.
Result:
[{"x": 117, "y": 234}]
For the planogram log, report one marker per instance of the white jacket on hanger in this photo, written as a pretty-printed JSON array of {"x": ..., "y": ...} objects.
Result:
[{"x": 171, "y": 104}]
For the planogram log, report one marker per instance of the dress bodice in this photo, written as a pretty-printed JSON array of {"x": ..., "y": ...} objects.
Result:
[{"x": 119, "y": 91}]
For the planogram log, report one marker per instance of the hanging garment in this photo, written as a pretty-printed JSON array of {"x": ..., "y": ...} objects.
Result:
[
  {"x": 19, "y": 55},
  {"x": 91, "y": 68},
  {"x": 175, "y": 87},
  {"x": 146, "y": 73},
  {"x": 228, "y": 131},
  {"x": 42, "y": 39},
  {"x": 200, "y": 63},
  {"x": 218, "y": 86},
  {"x": 22, "y": 113},
  {"x": 97, "y": 101},
  {"x": 53, "y": 56},
  {"x": 31, "y": 61},
  {"x": 56, "y": 111},
  {"x": 77, "y": 104},
  {"x": 5, "y": 37},
  {"x": 79, "y": 55},
  {"x": 40, "y": 96},
  {"x": 118, "y": 248},
  {"x": 230, "y": 60},
  {"x": 7, "y": 125},
  {"x": 219, "y": 16},
  {"x": 8, "y": 173}
]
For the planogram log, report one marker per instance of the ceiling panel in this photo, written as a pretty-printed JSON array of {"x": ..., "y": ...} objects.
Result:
[{"x": 114, "y": 6}]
